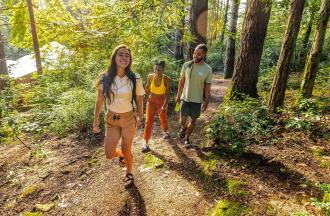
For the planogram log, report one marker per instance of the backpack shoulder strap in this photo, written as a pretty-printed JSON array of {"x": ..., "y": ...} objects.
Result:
[
  {"x": 134, "y": 78},
  {"x": 106, "y": 88},
  {"x": 106, "y": 82}
]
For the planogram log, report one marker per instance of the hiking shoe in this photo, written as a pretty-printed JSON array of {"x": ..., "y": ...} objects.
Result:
[
  {"x": 188, "y": 143},
  {"x": 121, "y": 161},
  {"x": 166, "y": 135},
  {"x": 145, "y": 149},
  {"x": 182, "y": 133},
  {"x": 128, "y": 180}
]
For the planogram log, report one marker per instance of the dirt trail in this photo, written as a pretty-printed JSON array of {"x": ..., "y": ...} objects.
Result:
[{"x": 77, "y": 178}]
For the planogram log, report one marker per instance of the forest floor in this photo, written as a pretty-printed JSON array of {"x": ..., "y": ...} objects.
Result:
[{"x": 71, "y": 176}]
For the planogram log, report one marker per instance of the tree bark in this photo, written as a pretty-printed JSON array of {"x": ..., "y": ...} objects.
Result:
[
  {"x": 230, "y": 49},
  {"x": 210, "y": 23},
  {"x": 34, "y": 37},
  {"x": 313, "y": 60},
  {"x": 198, "y": 24},
  {"x": 303, "y": 53},
  {"x": 253, "y": 35},
  {"x": 224, "y": 23},
  {"x": 3, "y": 64},
  {"x": 178, "y": 39},
  {"x": 277, "y": 93},
  {"x": 3, "y": 61}
]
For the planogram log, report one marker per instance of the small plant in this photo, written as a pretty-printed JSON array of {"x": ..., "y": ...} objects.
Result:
[
  {"x": 228, "y": 208},
  {"x": 39, "y": 153},
  {"x": 28, "y": 191},
  {"x": 210, "y": 165},
  {"x": 324, "y": 204},
  {"x": 307, "y": 105},
  {"x": 234, "y": 187},
  {"x": 152, "y": 161}
]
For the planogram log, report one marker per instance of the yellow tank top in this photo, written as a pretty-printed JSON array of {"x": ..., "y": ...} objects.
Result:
[{"x": 160, "y": 90}]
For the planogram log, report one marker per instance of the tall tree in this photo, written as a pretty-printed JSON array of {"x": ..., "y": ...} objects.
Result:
[
  {"x": 179, "y": 36},
  {"x": 283, "y": 65},
  {"x": 230, "y": 49},
  {"x": 198, "y": 23},
  {"x": 302, "y": 56},
  {"x": 3, "y": 61},
  {"x": 222, "y": 35},
  {"x": 253, "y": 35},
  {"x": 210, "y": 22},
  {"x": 313, "y": 60},
  {"x": 34, "y": 37}
]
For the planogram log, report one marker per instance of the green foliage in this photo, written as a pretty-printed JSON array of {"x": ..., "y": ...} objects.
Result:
[
  {"x": 39, "y": 153},
  {"x": 266, "y": 80},
  {"x": 325, "y": 203},
  {"x": 228, "y": 208},
  {"x": 73, "y": 112},
  {"x": 152, "y": 161},
  {"x": 210, "y": 164},
  {"x": 27, "y": 213},
  {"x": 234, "y": 187},
  {"x": 215, "y": 56},
  {"x": 307, "y": 105},
  {"x": 215, "y": 60},
  {"x": 90, "y": 30},
  {"x": 28, "y": 191},
  {"x": 95, "y": 157},
  {"x": 10, "y": 121},
  {"x": 306, "y": 116},
  {"x": 240, "y": 123}
]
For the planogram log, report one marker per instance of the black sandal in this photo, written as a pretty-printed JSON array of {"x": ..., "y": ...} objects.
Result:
[
  {"x": 182, "y": 132},
  {"x": 122, "y": 161},
  {"x": 128, "y": 180}
]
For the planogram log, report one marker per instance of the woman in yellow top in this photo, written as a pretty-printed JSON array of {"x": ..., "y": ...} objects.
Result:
[{"x": 158, "y": 85}]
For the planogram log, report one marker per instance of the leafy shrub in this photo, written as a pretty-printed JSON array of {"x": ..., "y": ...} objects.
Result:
[
  {"x": 215, "y": 60},
  {"x": 269, "y": 56},
  {"x": 73, "y": 112},
  {"x": 240, "y": 123},
  {"x": 307, "y": 105},
  {"x": 266, "y": 80}
]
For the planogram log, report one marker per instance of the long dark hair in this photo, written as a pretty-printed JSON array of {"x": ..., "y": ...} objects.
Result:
[{"x": 112, "y": 69}]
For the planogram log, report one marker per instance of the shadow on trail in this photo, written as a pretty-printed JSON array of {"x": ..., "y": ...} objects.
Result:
[
  {"x": 134, "y": 204},
  {"x": 275, "y": 173},
  {"x": 212, "y": 185}
]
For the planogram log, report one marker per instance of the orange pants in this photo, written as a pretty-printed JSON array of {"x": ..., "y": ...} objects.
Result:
[{"x": 154, "y": 105}]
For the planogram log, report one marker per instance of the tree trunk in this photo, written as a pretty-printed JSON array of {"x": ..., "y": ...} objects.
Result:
[
  {"x": 224, "y": 23},
  {"x": 34, "y": 37},
  {"x": 303, "y": 53},
  {"x": 313, "y": 60},
  {"x": 308, "y": 31},
  {"x": 179, "y": 37},
  {"x": 277, "y": 93},
  {"x": 198, "y": 23},
  {"x": 253, "y": 35},
  {"x": 210, "y": 23},
  {"x": 230, "y": 50},
  {"x": 216, "y": 19},
  {"x": 3, "y": 63}
]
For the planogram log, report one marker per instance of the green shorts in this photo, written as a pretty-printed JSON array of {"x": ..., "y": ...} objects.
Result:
[{"x": 191, "y": 109}]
